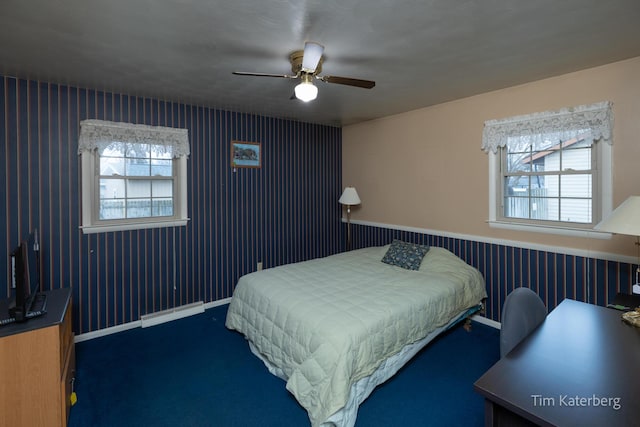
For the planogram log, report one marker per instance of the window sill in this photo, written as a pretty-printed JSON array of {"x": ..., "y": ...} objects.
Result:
[
  {"x": 562, "y": 231},
  {"x": 92, "y": 229}
]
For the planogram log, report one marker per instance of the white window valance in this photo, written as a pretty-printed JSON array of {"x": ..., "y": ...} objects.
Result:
[
  {"x": 565, "y": 124},
  {"x": 99, "y": 134}
]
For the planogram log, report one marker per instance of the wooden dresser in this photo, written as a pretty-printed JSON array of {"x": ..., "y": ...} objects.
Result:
[{"x": 37, "y": 365}]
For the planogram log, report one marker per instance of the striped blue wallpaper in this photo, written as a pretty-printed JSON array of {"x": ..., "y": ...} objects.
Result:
[
  {"x": 554, "y": 276},
  {"x": 284, "y": 212}
]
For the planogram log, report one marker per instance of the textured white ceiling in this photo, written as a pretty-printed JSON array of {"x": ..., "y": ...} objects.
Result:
[{"x": 419, "y": 52}]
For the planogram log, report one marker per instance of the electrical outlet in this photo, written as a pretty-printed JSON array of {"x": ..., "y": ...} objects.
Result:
[{"x": 259, "y": 266}]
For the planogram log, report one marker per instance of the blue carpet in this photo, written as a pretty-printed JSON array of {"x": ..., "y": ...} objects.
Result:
[{"x": 195, "y": 372}]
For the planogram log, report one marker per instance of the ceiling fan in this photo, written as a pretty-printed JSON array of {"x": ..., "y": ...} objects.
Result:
[{"x": 306, "y": 65}]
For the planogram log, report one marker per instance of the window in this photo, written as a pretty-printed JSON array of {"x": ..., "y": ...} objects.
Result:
[
  {"x": 133, "y": 176},
  {"x": 550, "y": 171}
]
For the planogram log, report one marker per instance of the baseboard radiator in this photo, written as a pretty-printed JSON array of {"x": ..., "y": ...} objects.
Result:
[{"x": 171, "y": 314}]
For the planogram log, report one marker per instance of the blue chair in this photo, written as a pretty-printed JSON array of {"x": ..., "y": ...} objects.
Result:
[{"x": 522, "y": 312}]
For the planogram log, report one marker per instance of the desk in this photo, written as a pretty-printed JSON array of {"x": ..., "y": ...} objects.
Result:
[
  {"x": 575, "y": 369},
  {"x": 626, "y": 300}
]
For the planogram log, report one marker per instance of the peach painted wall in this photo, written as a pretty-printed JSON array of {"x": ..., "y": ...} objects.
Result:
[{"x": 425, "y": 168}]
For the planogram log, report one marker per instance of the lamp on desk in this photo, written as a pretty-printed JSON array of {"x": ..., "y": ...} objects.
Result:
[
  {"x": 625, "y": 219},
  {"x": 349, "y": 197}
]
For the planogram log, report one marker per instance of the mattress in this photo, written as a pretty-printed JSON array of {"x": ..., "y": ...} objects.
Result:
[{"x": 327, "y": 323}]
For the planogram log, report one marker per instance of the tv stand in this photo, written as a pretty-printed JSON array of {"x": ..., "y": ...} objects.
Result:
[{"x": 38, "y": 365}]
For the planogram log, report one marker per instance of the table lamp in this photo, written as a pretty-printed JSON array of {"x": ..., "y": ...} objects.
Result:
[
  {"x": 349, "y": 197},
  {"x": 625, "y": 219}
]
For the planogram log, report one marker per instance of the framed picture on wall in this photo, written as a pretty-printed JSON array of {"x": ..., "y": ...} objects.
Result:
[{"x": 245, "y": 154}]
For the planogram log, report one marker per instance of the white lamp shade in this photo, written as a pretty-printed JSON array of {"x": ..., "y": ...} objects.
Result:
[
  {"x": 625, "y": 219},
  {"x": 306, "y": 91},
  {"x": 349, "y": 197}
]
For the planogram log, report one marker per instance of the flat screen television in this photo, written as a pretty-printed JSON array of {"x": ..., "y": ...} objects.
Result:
[{"x": 25, "y": 262}]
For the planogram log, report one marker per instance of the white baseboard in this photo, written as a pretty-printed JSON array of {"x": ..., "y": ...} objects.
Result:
[
  {"x": 486, "y": 321},
  {"x": 217, "y": 303},
  {"x": 106, "y": 331},
  {"x": 138, "y": 323},
  {"x": 172, "y": 314}
]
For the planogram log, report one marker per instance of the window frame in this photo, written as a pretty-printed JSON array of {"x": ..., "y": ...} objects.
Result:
[
  {"x": 602, "y": 198},
  {"x": 95, "y": 135},
  {"x": 564, "y": 124}
]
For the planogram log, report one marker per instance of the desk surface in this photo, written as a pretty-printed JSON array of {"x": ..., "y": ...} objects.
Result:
[{"x": 580, "y": 365}]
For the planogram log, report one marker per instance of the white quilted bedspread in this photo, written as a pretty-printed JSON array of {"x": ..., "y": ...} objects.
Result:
[{"x": 329, "y": 322}]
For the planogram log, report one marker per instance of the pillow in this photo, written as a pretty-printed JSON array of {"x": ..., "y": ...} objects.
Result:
[{"x": 405, "y": 255}]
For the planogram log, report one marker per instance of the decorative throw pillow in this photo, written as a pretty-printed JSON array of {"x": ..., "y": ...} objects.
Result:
[{"x": 405, "y": 255}]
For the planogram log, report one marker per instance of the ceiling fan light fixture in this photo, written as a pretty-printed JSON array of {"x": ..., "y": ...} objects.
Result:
[
  {"x": 306, "y": 91},
  {"x": 306, "y": 65}
]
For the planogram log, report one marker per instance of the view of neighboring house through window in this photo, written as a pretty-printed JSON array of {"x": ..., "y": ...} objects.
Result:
[
  {"x": 136, "y": 181},
  {"x": 551, "y": 180}
]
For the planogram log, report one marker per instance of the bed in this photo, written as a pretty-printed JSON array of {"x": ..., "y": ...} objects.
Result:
[{"x": 334, "y": 328}]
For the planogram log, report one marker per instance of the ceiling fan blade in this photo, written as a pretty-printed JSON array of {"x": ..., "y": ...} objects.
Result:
[
  {"x": 311, "y": 57},
  {"x": 242, "y": 73},
  {"x": 366, "y": 84}
]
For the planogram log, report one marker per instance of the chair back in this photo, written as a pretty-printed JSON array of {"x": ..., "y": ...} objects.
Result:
[{"x": 522, "y": 312}]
